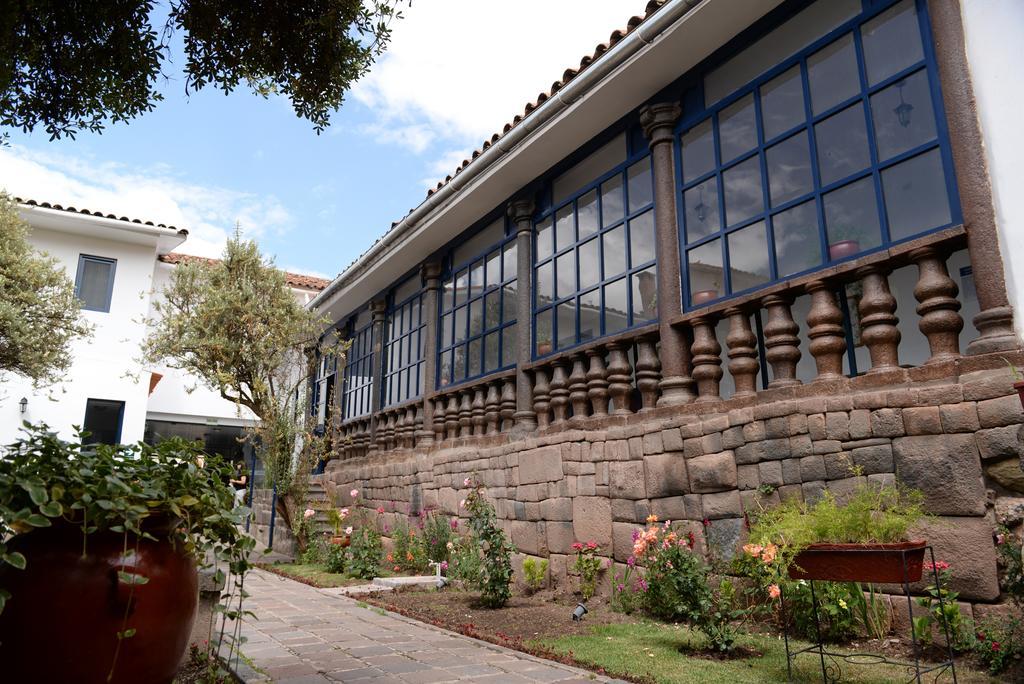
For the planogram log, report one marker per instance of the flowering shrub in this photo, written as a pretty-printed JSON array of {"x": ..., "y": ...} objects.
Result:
[
  {"x": 1008, "y": 546},
  {"x": 335, "y": 558},
  {"x": 495, "y": 580},
  {"x": 588, "y": 565},
  {"x": 364, "y": 553},
  {"x": 438, "y": 530},
  {"x": 946, "y": 613},
  {"x": 464, "y": 564},
  {"x": 409, "y": 553},
  {"x": 997, "y": 643},
  {"x": 628, "y": 588}
]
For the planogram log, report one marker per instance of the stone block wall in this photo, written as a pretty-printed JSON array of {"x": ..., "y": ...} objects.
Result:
[{"x": 957, "y": 441}]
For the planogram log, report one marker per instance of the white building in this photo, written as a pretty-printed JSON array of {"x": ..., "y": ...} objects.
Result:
[{"x": 119, "y": 265}]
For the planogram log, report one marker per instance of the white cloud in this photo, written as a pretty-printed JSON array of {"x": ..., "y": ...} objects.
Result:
[
  {"x": 458, "y": 70},
  {"x": 150, "y": 194}
]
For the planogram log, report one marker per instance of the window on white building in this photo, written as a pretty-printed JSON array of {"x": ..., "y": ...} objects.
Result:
[
  {"x": 103, "y": 419},
  {"x": 94, "y": 284}
]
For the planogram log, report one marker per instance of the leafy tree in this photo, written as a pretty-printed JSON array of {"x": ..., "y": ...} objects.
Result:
[
  {"x": 72, "y": 66},
  {"x": 236, "y": 325},
  {"x": 39, "y": 313}
]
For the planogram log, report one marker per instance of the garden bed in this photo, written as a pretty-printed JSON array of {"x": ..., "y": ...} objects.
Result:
[
  {"x": 627, "y": 647},
  {"x": 314, "y": 575}
]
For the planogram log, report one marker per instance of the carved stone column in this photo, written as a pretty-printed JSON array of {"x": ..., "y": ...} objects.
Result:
[
  {"x": 521, "y": 213},
  {"x": 597, "y": 382},
  {"x": 431, "y": 273},
  {"x": 878, "y": 322},
  {"x": 647, "y": 373},
  {"x": 559, "y": 392},
  {"x": 619, "y": 386},
  {"x": 782, "y": 345},
  {"x": 707, "y": 359},
  {"x": 937, "y": 305},
  {"x": 658, "y": 122},
  {"x": 995, "y": 320},
  {"x": 378, "y": 308},
  {"x": 492, "y": 407},
  {"x": 742, "y": 344},
  {"x": 578, "y": 387},
  {"x": 825, "y": 330},
  {"x": 541, "y": 403}
]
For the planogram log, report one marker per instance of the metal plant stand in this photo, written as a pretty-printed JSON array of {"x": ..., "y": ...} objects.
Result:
[{"x": 831, "y": 661}]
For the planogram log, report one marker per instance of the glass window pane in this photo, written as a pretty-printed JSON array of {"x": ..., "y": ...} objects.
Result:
[
  {"x": 892, "y": 41},
  {"x": 545, "y": 283},
  {"x": 748, "y": 257},
  {"x": 616, "y": 316},
  {"x": 590, "y": 264},
  {"x": 842, "y": 141},
  {"x": 476, "y": 316},
  {"x": 510, "y": 303},
  {"x": 566, "y": 274},
  {"x": 94, "y": 284},
  {"x": 645, "y": 295},
  {"x": 640, "y": 188},
  {"x": 698, "y": 151},
  {"x": 493, "y": 268},
  {"x": 459, "y": 372},
  {"x": 782, "y": 103},
  {"x": 492, "y": 354},
  {"x": 460, "y": 324},
  {"x": 590, "y": 315},
  {"x": 510, "y": 261},
  {"x": 614, "y": 251},
  {"x": 543, "y": 332},
  {"x": 702, "y": 210},
  {"x": 902, "y": 114},
  {"x": 611, "y": 200},
  {"x": 851, "y": 219},
  {"x": 705, "y": 272},
  {"x": 475, "y": 357},
  {"x": 545, "y": 237},
  {"x": 476, "y": 277},
  {"x": 566, "y": 324},
  {"x": 743, "y": 197},
  {"x": 586, "y": 213},
  {"x": 915, "y": 195},
  {"x": 461, "y": 287},
  {"x": 641, "y": 238},
  {"x": 737, "y": 132},
  {"x": 590, "y": 300},
  {"x": 832, "y": 73},
  {"x": 789, "y": 169},
  {"x": 492, "y": 309},
  {"x": 508, "y": 345},
  {"x": 448, "y": 295},
  {"x": 565, "y": 233},
  {"x": 797, "y": 241}
]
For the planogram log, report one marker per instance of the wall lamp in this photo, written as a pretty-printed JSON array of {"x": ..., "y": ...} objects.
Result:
[{"x": 23, "y": 404}]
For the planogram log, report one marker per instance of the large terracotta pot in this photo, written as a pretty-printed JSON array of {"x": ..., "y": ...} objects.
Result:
[
  {"x": 65, "y": 610},
  {"x": 879, "y": 563}
]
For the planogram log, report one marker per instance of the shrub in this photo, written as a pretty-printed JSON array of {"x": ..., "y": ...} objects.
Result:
[
  {"x": 334, "y": 559},
  {"x": 836, "y": 619},
  {"x": 588, "y": 565},
  {"x": 464, "y": 564},
  {"x": 364, "y": 553},
  {"x": 942, "y": 615},
  {"x": 315, "y": 552},
  {"x": 496, "y": 571},
  {"x": 1008, "y": 546},
  {"x": 997, "y": 643},
  {"x": 535, "y": 573},
  {"x": 627, "y": 590},
  {"x": 408, "y": 552},
  {"x": 438, "y": 530}
]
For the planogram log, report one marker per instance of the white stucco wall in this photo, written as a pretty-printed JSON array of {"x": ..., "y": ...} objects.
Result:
[
  {"x": 994, "y": 29},
  {"x": 101, "y": 362}
]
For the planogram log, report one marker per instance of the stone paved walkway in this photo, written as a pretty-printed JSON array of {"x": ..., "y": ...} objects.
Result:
[{"x": 305, "y": 635}]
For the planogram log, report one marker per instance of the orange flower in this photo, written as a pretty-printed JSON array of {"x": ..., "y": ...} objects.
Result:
[
  {"x": 752, "y": 549},
  {"x": 768, "y": 554},
  {"x": 652, "y": 518},
  {"x": 774, "y": 591}
]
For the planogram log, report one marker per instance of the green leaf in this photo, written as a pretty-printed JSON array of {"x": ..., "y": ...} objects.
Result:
[
  {"x": 36, "y": 492},
  {"x": 52, "y": 509},
  {"x": 127, "y": 634},
  {"x": 105, "y": 504},
  {"x": 36, "y": 520},
  {"x": 131, "y": 578},
  {"x": 15, "y": 559}
]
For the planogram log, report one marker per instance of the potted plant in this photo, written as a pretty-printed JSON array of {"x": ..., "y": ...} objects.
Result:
[
  {"x": 336, "y": 518},
  {"x": 844, "y": 240},
  {"x": 543, "y": 336},
  {"x": 98, "y": 556},
  {"x": 1018, "y": 381},
  {"x": 864, "y": 539}
]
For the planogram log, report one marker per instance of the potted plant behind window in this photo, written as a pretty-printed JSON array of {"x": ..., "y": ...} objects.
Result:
[
  {"x": 543, "y": 336},
  {"x": 844, "y": 240},
  {"x": 98, "y": 556},
  {"x": 864, "y": 539}
]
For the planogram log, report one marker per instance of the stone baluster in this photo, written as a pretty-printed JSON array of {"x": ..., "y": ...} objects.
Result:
[
  {"x": 878, "y": 321},
  {"x": 707, "y": 359},
  {"x": 825, "y": 330},
  {"x": 451, "y": 416},
  {"x": 597, "y": 382},
  {"x": 620, "y": 384},
  {"x": 438, "y": 417},
  {"x": 742, "y": 343},
  {"x": 413, "y": 423},
  {"x": 394, "y": 427},
  {"x": 492, "y": 408},
  {"x": 479, "y": 411},
  {"x": 466, "y": 413},
  {"x": 541, "y": 397},
  {"x": 508, "y": 404},
  {"x": 648, "y": 373},
  {"x": 937, "y": 305},
  {"x": 781, "y": 341},
  {"x": 559, "y": 393},
  {"x": 418, "y": 430},
  {"x": 578, "y": 387}
]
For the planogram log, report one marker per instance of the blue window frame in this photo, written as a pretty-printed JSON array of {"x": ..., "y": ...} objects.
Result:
[
  {"x": 357, "y": 397},
  {"x": 595, "y": 270},
  {"x": 323, "y": 387},
  {"x": 103, "y": 421},
  {"x": 477, "y": 309},
  {"x": 94, "y": 282},
  {"x": 835, "y": 152},
  {"x": 403, "y": 346}
]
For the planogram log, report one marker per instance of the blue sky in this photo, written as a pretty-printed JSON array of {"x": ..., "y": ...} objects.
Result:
[{"x": 456, "y": 71}]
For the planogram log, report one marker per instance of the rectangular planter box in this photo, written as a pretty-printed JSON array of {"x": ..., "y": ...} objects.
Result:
[{"x": 877, "y": 563}]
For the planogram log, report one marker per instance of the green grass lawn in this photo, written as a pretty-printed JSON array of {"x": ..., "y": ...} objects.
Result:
[
  {"x": 315, "y": 574},
  {"x": 653, "y": 651}
]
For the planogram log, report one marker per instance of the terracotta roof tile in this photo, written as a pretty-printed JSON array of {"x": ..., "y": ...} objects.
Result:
[
  {"x": 299, "y": 280},
  {"x": 99, "y": 214}
]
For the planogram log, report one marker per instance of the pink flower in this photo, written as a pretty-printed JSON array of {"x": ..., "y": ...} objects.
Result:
[
  {"x": 592, "y": 545},
  {"x": 1000, "y": 539},
  {"x": 621, "y": 588},
  {"x": 354, "y": 493},
  {"x": 939, "y": 565},
  {"x": 577, "y": 547},
  {"x": 309, "y": 513},
  {"x": 444, "y": 566},
  {"x": 380, "y": 509},
  {"x": 348, "y": 530},
  {"x": 454, "y": 524},
  {"x": 631, "y": 561},
  {"x": 774, "y": 591},
  {"x": 636, "y": 534},
  {"x": 343, "y": 512},
  {"x": 467, "y": 482},
  {"x": 462, "y": 504}
]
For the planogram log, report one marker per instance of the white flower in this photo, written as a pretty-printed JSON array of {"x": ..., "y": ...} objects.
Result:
[
  {"x": 309, "y": 513},
  {"x": 354, "y": 493},
  {"x": 348, "y": 530},
  {"x": 343, "y": 512},
  {"x": 462, "y": 504},
  {"x": 200, "y": 461},
  {"x": 450, "y": 546}
]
